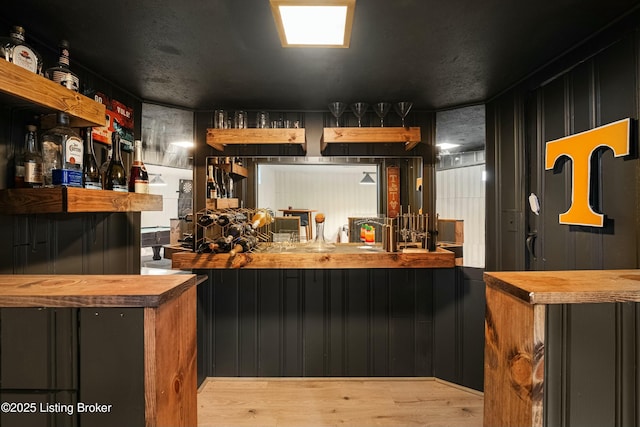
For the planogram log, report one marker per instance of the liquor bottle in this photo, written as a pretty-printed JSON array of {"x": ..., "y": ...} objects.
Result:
[
  {"x": 32, "y": 159},
  {"x": 16, "y": 165},
  {"x": 90, "y": 173},
  {"x": 14, "y": 49},
  {"x": 219, "y": 178},
  {"x": 226, "y": 176},
  {"x": 235, "y": 231},
  {"x": 212, "y": 187},
  {"x": 62, "y": 152},
  {"x": 139, "y": 178},
  {"x": 207, "y": 219},
  {"x": 105, "y": 165},
  {"x": 222, "y": 244},
  {"x": 260, "y": 219},
  {"x": 243, "y": 244},
  {"x": 61, "y": 72},
  {"x": 224, "y": 219},
  {"x": 116, "y": 176}
]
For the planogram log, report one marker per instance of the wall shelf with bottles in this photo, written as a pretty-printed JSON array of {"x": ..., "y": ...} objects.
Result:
[
  {"x": 218, "y": 138},
  {"x": 409, "y": 136},
  {"x": 45, "y": 94},
  {"x": 74, "y": 200}
]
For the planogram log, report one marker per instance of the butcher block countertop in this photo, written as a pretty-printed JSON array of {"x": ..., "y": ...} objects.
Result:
[
  {"x": 568, "y": 287},
  {"x": 91, "y": 290},
  {"x": 344, "y": 256}
]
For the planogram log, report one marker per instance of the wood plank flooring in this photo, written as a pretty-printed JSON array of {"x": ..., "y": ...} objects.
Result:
[{"x": 306, "y": 402}]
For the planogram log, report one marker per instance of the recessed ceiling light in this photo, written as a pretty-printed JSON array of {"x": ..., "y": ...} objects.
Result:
[{"x": 314, "y": 23}]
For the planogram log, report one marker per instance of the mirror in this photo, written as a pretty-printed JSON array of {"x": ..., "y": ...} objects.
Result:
[{"x": 460, "y": 177}]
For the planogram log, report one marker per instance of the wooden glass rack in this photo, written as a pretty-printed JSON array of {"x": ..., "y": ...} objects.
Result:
[
  {"x": 409, "y": 136},
  {"x": 218, "y": 138}
]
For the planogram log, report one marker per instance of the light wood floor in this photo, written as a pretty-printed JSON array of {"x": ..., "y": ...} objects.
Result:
[{"x": 304, "y": 402}]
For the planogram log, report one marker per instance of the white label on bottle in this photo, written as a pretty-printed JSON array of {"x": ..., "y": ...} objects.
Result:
[
  {"x": 74, "y": 153},
  {"x": 141, "y": 187},
  {"x": 33, "y": 173},
  {"x": 121, "y": 188},
  {"x": 66, "y": 79},
  {"x": 93, "y": 185},
  {"x": 25, "y": 58}
]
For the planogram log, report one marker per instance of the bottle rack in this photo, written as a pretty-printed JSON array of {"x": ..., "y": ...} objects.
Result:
[{"x": 242, "y": 216}]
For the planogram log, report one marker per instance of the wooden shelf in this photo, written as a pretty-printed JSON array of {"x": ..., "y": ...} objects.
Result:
[
  {"x": 50, "y": 96},
  {"x": 410, "y": 137},
  {"x": 70, "y": 199},
  {"x": 235, "y": 170},
  {"x": 222, "y": 203},
  {"x": 218, "y": 138}
]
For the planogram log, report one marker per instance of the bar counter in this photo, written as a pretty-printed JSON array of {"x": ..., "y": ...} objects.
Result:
[
  {"x": 344, "y": 256},
  {"x": 124, "y": 342},
  {"x": 550, "y": 352}
]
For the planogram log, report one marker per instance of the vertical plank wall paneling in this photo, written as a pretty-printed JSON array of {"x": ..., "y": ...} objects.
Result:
[{"x": 316, "y": 323}]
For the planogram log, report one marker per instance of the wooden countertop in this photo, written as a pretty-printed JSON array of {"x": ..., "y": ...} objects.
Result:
[
  {"x": 568, "y": 287},
  {"x": 343, "y": 257},
  {"x": 91, "y": 290}
]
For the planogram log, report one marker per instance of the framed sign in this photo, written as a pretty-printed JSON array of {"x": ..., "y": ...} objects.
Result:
[{"x": 393, "y": 191}]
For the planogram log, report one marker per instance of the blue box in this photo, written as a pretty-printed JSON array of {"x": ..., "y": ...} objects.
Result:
[{"x": 70, "y": 178}]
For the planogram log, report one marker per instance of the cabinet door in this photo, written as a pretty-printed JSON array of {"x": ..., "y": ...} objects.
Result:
[
  {"x": 38, "y": 347},
  {"x": 111, "y": 347}
]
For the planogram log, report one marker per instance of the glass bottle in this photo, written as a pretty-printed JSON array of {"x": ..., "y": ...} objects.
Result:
[
  {"x": 14, "y": 49},
  {"x": 261, "y": 218},
  {"x": 217, "y": 170},
  {"x": 32, "y": 159},
  {"x": 61, "y": 72},
  {"x": 105, "y": 164},
  {"x": 138, "y": 178},
  {"x": 16, "y": 164},
  {"x": 116, "y": 176},
  {"x": 62, "y": 154},
  {"x": 319, "y": 243},
  {"x": 90, "y": 173},
  {"x": 212, "y": 191}
]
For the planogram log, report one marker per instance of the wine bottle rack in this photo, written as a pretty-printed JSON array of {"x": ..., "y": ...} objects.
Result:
[{"x": 242, "y": 216}]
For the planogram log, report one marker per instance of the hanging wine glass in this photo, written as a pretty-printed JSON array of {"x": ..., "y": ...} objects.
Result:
[
  {"x": 381, "y": 109},
  {"x": 337, "y": 108},
  {"x": 403, "y": 108},
  {"x": 359, "y": 108}
]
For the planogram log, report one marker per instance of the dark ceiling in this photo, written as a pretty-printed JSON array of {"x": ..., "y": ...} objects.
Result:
[{"x": 202, "y": 54}]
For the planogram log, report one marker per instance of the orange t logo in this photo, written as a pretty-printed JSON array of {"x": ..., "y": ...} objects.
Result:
[{"x": 579, "y": 148}]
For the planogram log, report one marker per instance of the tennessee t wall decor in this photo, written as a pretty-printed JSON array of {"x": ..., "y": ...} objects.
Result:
[{"x": 579, "y": 148}]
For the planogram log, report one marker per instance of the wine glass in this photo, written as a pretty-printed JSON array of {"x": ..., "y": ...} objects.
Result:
[
  {"x": 403, "y": 108},
  {"x": 381, "y": 109},
  {"x": 359, "y": 108},
  {"x": 337, "y": 108}
]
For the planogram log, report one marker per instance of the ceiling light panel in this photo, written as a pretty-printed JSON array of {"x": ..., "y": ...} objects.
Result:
[{"x": 313, "y": 23}]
